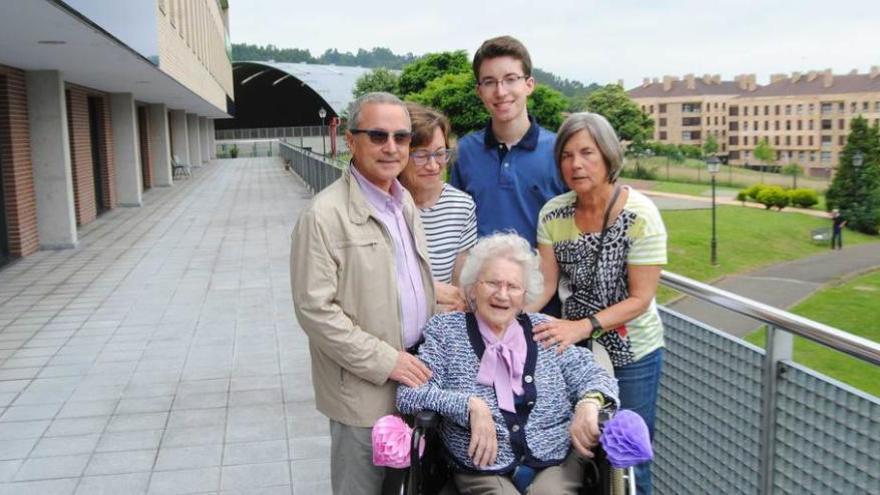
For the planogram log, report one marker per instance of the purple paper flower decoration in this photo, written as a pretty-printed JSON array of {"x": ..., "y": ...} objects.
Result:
[
  {"x": 626, "y": 440},
  {"x": 392, "y": 439}
]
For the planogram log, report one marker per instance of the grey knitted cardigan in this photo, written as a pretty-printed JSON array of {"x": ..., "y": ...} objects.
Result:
[{"x": 538, "y": 433}]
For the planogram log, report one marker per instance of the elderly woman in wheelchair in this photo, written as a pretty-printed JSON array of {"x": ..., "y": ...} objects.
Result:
[{"x": 512, "y": 409}]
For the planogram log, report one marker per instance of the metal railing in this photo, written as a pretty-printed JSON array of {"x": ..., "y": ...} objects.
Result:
[
  {"x": 736, "y": 418},
  {"x": 275, "y": 132},
  {"x": 315, "y": 169}
]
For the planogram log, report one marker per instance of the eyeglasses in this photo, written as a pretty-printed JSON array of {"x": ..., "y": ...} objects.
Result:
[
  {"x": 506, "y": 82},
  {"x": 496, "y": 285},
  {"x": 422, "y": 157},
  {"x": 379, "y": 137}
]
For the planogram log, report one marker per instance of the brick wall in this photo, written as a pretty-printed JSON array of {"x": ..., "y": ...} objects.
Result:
[
  {"x": 144, "y": 141},
  {"x": 85, "y": 205},
  {"x": 81, "y": 155},
  {"x": 17, "y": 169}
]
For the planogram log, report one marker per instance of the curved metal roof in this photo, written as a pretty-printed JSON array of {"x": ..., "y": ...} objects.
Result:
[{"x": 332, "y": 83}]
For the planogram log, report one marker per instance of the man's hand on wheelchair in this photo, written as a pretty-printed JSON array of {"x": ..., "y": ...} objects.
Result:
[
  {"x": 410, "y": 371},
  {"x": 483, "y": 448},
  {"x": 585, "y": 428}
]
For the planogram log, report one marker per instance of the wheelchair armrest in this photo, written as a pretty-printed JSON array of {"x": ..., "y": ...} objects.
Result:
[{"x": 427, "y": 420}]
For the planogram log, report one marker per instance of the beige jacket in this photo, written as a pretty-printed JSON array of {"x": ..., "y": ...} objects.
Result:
[{"x": 344, "y": 285}]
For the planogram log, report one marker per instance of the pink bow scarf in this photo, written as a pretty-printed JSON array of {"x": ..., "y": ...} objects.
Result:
[{"x": 503, "y": 362}]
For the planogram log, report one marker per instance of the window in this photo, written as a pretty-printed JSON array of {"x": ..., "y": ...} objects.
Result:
[
  {"x": 734, "y": 125},
  {"x": 747, "y": 154},
  {"x": 800, "y": 125},
  {"x": 826, "y": 108},
  {"x": 865, "y": 106},
  {"x": 840, "y": 107},
  {"x": 826, "y": 124},
  {"x": 716, "y": 105},
  {"x": 810, "y": 140},
  {"x": 724, "y": 105},
  {"x": 800, "y": 140},
  {"x": 756, "y": 110},
  {"x": 690, "y": 107},
  {"x": 662, "y": 122},
  {"x": 788, "y": 140},
  {"x": 663, "y": 135},
  {"x": 690, "y": 135},
  {"x": 801, "y": 156},
  {"x": 777, "y": 110},
  {"x": 690, "y": 121},
  {"x": 723, "y": 120},
  {"x": 776, "y": 141},
  {"x": 662, "y": 107},
  {"x": 745, "y": 125},
  {"x": 810, "y": 125},
  {"x": 800, "y": 109},
  {"x": 766, "y": 109},
  {"x": 708, "y": 120},
  {"x": 787, "y": 109},
  {"x": 766, "y": 125},
  {"x": 652, "y": 108},
  {"x": 877, "y": 106},
  {"x": 733, "y": 140},
  {"x": 811, "y": 108},
  {"x": 734, "y": 110},
  {"x": 841, "y": 140},
  {"x": 776, "y": 125},
  {"x": 716, "y": 120},
  {"x": 853, "y": 107},
  {"x": 826, "y": 156},
  {"x": 787, "y": 125},
  {"x": 745, "y": 110},
  {"x": 812, "y": 156},
  {"x": 841, "y": 124}
]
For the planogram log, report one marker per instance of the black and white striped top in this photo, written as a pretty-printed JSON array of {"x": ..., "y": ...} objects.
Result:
[{"x": 450, "y": 228}]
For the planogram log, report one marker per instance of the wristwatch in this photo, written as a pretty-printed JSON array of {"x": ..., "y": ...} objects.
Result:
[{"x": 597, "y": 327}]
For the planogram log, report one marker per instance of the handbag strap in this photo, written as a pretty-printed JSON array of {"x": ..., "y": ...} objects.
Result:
[{"x": 608, "y": 208}]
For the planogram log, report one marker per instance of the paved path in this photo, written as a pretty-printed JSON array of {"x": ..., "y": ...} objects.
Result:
[
  {"x": 162, "y": 356},
  {"x": 782, "y": 285}
]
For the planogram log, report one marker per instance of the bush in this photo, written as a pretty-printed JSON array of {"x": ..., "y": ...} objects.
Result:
[
  {"x": 639, "y": 173},
  {"x": 803, "y": 198},
  {"x": 755, "y": 190},
  {"x": 742, "y": 196},
  {"x": 771, "y": 196},
  {"x": 233, "y": 152}
]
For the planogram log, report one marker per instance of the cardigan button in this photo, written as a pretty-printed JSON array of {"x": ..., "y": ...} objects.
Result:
[
  {"x": 515, "y": 428},
  {"x": 528, "y": 378},
  {"x": 530, "y": 403}
]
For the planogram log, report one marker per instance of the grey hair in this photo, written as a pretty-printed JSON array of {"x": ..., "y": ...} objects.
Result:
[
  {"x": 355, "y": 107},
  {"x": 508, "y": 246},
  {"x": 602, "y": 133}
]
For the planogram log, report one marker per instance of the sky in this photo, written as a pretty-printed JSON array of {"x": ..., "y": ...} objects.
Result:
[{"x": 586, "y": 40}]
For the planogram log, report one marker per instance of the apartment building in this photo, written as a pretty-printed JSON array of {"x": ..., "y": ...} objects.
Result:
[
  {"x": 96, "y": 97},
  {"x": 804, "y": 116}
]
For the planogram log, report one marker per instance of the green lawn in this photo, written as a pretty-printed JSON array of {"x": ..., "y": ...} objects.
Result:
[
  {"x": 852, "y": 307},
  {"x": 748, "y": 238},
  {"x": 695, "y": 171},
  {"x": 692, "y": 189}
]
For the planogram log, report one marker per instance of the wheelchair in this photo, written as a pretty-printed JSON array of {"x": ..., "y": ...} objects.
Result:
[{"x": 432, "y": 474}]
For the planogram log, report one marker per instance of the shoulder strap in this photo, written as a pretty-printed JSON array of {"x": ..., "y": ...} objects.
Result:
[{"x": 608, "y": 209}]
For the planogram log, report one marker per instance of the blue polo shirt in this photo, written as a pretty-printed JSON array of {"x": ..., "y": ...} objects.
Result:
[{"x": 509, "y": 186}]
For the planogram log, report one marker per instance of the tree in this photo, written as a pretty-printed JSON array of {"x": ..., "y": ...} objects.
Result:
[
  {"x": 416, "y": 76},
  {"x": 855, "y": 190},
  {"x": 794, "y": 170},
  {"x": 710, "y": 146},
  {"x": 376, "y": 80},
  {"x": 454, "y": 95},
  {"x": 546, "y": 105},
  {"x": 764, "y": 152},
  {"x": 630, "y": 122}
]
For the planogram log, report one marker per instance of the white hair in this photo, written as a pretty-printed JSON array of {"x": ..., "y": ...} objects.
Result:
[{"x": 507, "y": 246}]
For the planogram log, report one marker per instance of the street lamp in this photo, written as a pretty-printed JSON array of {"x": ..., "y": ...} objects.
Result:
[
  {"x": 714, "y": 166},
  {"x": 323, "y": 114},
  {"x": 858, "y": 159}
]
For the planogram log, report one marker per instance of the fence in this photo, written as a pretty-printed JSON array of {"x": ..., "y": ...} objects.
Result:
[
  {"x": 735, "y": 418},
  {"x": 316, "y": 170},
  {"x": 275, "y": 132}
]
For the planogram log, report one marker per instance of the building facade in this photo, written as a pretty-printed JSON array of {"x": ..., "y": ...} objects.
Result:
[
  {"x": 804, "y": 117},
  {"x": 96, "y": 98}
]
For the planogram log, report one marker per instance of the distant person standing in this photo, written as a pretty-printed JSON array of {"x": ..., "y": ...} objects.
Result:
[{"x": 837, "y": 230}]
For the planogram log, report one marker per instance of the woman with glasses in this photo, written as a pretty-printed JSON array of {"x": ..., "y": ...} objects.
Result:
[
  {"x": 512, "y": 409},
  {"x": 605, "y": 245},
  {"x": 448, "y": 215}
]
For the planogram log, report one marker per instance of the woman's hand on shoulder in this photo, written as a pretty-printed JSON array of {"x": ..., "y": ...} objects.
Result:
[
  {"x": 585, "y": 428},
  {"x": 483, "y": 448},
  {"x": 563, "y": 333}
]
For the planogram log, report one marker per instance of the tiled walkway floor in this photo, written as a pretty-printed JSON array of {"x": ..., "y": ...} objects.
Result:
[{"x": 162, "y": 355}]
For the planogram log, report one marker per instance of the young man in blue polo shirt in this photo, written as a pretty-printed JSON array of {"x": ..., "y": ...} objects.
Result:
[{"x": 508, "y": 167}]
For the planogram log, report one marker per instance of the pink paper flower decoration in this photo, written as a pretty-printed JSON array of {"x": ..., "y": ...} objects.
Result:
[{"x": 392, "y": 439}]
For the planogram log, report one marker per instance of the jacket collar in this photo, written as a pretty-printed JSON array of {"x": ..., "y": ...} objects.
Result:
[{"x": 359, "y": 209}]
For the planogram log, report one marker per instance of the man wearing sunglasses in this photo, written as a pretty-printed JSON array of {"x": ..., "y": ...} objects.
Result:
[
  {"x": 508, "y": 167},
  {"x": 362, "y": 288}
]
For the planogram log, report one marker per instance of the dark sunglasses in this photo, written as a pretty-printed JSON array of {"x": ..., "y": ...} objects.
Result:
[{"x": 401, "y": 138}]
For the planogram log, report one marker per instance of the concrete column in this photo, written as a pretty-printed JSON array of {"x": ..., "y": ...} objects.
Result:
[
  {"x": 212, "y": 134},
  {"x": 50, "y": 153},
  {"x": 203, "y": 139},
  {"x": 129, "y": 181},
  {"x": 195, "y": 149},
  {"x": 160, "y": 145},
  {"x": 180, "y": 136}
]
